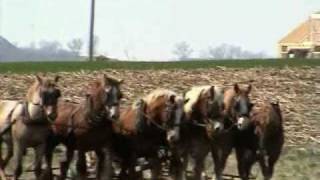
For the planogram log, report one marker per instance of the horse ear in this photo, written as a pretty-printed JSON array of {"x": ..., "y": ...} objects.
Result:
[
  {"x": 104, "y": 80},
  {"x": 172, "y": 99},
  {"x": 249, "y": 88},
  {"x": 185, "y": 101},
  {"x": 212, "y": 91},
  {"x": 121, "y": 81},
  {"x": 38, "y": 79},
  {"x": 56, "y": 78},
  {"x": 251, "y": 105},
  {"x": 236, "y": 88}
]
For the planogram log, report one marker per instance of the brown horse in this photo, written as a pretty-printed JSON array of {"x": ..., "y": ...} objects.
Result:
[
  {"x": 202, "y": 119},
  {"x": 261, "y": 141},
  {"x": 87, "y": 127},
  {"x": 29, "y": 122},
  {"x": 142, "y": 129},
  {"x": 237, "y": 108}
]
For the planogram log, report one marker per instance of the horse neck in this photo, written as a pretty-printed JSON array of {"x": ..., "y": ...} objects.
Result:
[
  {"x": 35, "y": 111},
  {"x": 127, "y": 122}
]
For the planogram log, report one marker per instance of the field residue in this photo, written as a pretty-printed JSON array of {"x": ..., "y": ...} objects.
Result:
[{"x": 297, "y": 90}]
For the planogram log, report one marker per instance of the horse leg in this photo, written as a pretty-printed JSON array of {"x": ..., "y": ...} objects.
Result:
[
  {"x": 47, "y": 175},
  {"x": 82, "y": 165},
  {"x": 245, "y": 160},
  {"x": 39, "y": 154},
  {"x": 269, "y": 171},
  {"x": 219, "y": 156},
  {"x": 9, "y": 154},
  {"x": 269, "y": 168},
  {"x": 155, "y": 167},
  {"x": 104, "y": 166},
  {"x": 198, "y": 168},
  {"x": 64, "y": 165},
  {"x": 18, "y": 157},
  {"x": 177, "y": 167}
]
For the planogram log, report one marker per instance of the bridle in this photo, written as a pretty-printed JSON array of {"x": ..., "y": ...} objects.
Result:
[{"x": 170, "y": 109}]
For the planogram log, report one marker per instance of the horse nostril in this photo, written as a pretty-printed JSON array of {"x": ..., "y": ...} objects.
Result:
[
  {"x": 114, "y": 116},
  {"x": 52, "y": 116}
]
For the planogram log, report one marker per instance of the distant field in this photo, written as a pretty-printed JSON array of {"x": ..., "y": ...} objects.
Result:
[{"x": 31, "y": 67}]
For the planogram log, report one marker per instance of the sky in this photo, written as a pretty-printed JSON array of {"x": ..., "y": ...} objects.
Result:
[{"x": 149, "y": 29}]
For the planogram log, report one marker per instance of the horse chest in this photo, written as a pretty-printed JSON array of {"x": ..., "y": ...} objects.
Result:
[
  {"x": 30, "y": 135},
  {"x": 93, "y": 138}
]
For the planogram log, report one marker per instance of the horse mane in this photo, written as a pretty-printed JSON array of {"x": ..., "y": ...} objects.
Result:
[
  {"x": 32, "y": 89},
  {"x": 93, "y": 86},
  {"x": 157, "y": 94},
  {"x": 219, "y": 95},
  {"x": 266, "y": 113},
  {"x": 193, "y": 96}
]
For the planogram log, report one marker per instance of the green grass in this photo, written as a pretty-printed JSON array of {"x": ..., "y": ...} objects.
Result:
[{"x": 31, "y": 67}]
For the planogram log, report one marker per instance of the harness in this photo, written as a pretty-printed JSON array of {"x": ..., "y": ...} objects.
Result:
[
  {"x": 26, "y": 117},
  {"x": 94, "y": 121}
]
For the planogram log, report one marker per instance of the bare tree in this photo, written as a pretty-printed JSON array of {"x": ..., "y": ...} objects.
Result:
[
  {"x": 75, "y": 45},
  {"x": 226, "y": 51},
  {"x": 182, "y": 50},
  {"x": 50, "y": 46}
]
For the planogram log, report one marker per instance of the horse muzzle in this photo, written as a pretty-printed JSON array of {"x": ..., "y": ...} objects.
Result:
[
  {"x": 51, "y": 112},
  {"x": 218, "y": 127},
  {"x": 243, "y": 123},
  {"x": 173, "y": 136},
  {"x": 114, "y": 113}
]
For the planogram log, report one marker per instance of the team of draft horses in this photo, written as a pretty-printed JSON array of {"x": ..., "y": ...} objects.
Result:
[{"x": 204, "y": 119}]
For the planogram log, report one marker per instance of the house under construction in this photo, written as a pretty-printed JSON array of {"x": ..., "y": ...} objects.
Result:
[{"x": 302, "y": 42}]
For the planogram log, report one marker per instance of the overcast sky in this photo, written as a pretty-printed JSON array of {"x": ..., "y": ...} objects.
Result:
[{"x": 148, "y": 29}]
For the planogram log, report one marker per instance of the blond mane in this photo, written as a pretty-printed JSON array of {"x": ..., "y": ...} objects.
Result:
[
  {"x": 193, "y": 96},
  {"x": 159, "y": 93}
]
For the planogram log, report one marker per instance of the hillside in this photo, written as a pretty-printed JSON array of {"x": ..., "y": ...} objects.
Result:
[{"x": 50, "y": 51}]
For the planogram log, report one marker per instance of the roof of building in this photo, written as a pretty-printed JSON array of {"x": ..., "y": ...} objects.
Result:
[{"x": 303, "y": 33}]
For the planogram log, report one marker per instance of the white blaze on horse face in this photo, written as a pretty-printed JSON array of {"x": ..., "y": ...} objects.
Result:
[
  {"x": 114, "y": 110},
  {"x": 243, "y": 107},
  {"x": 174, "y": 134}
]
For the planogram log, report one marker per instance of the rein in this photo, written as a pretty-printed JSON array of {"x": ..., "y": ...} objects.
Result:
[
  {"x": 146, "y": 116},
  {"x": 71, "y": 126},
  {"x": 161, "y": 127}
]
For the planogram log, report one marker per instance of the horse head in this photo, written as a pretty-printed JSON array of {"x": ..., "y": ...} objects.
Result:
[
  {"x": 44, "y": 93},
  {"x": 202, "y": 108},
  {"x": 240, "y": 106},
  {"x": 103, "y": 98},
  {"x": 164, "y": 110}
]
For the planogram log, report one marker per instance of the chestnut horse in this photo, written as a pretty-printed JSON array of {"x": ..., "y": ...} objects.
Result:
[
  {"x": 29, "y": 122},
  {"x": 202, "y": 118},
  {"x": 142, "y": 129},
  {"x": 261, "y": 141},
  {"x": 87, "y": 127},
  {"x": 237, "y": 108}
]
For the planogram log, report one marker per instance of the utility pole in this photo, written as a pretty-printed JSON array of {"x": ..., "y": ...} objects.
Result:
[
  {"x": 1, "y": 18},
  {"x": 91, "y": 36}
]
